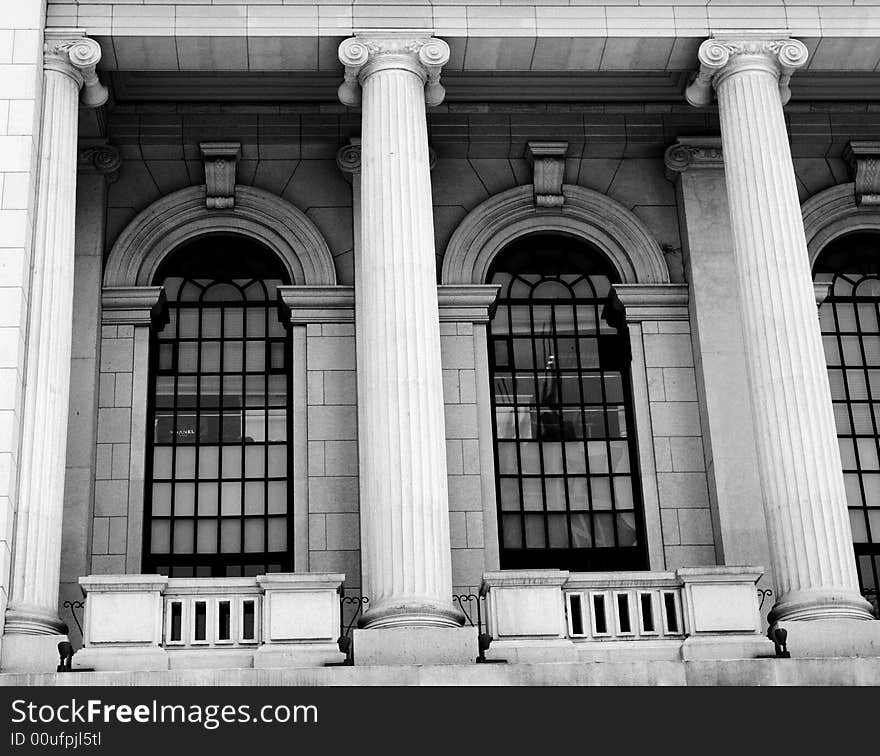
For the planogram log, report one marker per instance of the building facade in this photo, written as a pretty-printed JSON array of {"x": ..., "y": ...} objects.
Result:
[{"x": 440, "y": 320}]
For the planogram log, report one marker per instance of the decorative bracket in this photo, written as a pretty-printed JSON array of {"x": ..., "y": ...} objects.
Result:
[
  {"x": 221, "y": 162},
  {"x": 864, "y": 160},
  {"x": 548, "y": 171}
]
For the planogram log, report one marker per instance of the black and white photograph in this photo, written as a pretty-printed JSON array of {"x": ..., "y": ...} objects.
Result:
[{"x": 460, "y": 346}]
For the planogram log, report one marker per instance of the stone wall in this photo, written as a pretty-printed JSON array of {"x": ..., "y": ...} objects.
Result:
[
  {"x": 682, "y": 486},
  {"x": 21, "y": 45},
  {"x": 333, "y": 504},
  {"x": 111, "y": 509},
  {"x": 463, "y": 455}
]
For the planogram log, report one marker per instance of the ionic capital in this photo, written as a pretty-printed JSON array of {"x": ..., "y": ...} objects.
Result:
[
  {"x": 348, "y": 158},
  {"x": 726, "y": 54},
  {"x": 99, "y": 157},
  {"x": 71, "y": 52},
  {"x": 414, "y": 51},
  {"x": 693, "y": 152}
]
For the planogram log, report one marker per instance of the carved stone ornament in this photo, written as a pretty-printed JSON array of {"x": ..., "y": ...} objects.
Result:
[
  {"x": 99, "y": 157},
  {"x": 71, "y": 52},
  {"x": 221, "y": 162},
  {"x": 724, "y": 53},
  {"x": 693, "y": 152},
  {"x": 864, "y": 159},
  {"x": 548, "y": 171},
  {"x": 415, "y": 51},
  {"x": 348, "y": 158}
]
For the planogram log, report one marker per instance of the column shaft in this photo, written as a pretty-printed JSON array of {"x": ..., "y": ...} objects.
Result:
[
  {"x": 401, "y": 430},
  {"x": 798, "y": 457},
  {"x": 36, "y": 558}
]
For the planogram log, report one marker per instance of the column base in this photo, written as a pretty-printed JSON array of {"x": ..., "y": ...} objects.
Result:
[
  {"x": 405, "y": 646},
  {"x": 822, "y": 604},
  {"x": 826, "y": 638},
  {"x": 26, "y": 619},
  {"x": 412, "y": 613},
  {"x": 30, "y": 653}
]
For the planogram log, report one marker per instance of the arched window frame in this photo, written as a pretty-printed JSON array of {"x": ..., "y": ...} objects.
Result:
[
  {"x": 828, "y": 216},
  {"x": 248, "y": 301},
  {"x": 131, "y": 308},
  {"x": 645, "y": 296}
]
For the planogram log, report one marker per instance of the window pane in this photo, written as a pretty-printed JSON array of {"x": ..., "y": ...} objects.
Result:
[
  {"x": 254, "y": 498},
  {"x": 230, "y": 536},
  {"x": 254, "y": 535},
  {"x": 162, "y": 462},
  {"x": 277, "y": 534},
  {"x": 277, "y": 461},
  {"x": 160, "y": 536}
]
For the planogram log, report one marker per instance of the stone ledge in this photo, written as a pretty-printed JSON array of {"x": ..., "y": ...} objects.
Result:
[{"x": 838, "y": 671}]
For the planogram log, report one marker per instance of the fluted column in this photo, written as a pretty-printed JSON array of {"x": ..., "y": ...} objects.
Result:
[
  {"x": 69, "y": 66},
  {"x": 798, "y": 457},
  {"x": 401, "y": 437}
]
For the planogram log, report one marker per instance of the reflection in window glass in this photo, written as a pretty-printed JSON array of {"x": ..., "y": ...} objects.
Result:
[
  {"x": 564, "y": 446},
  {"x": 218, "y": 498}
]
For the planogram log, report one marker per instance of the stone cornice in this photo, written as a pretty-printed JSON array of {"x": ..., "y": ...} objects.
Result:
[
  {"x": 132, "y": 305},
  {"x": 122, "y": 583},
  {"x": 640, "y": 302},
  {"x": 99, "y": 157},
  {"x": 693, "y": 152},
  {"x": 289, "y": 581},
  {"x": 729, "y": 52},
  {"x": 413, "y": 50},
  {"x": 301, "y": 305},
  {"x": 467, "y": 303},
  {"x": 522, "y": 578},
  {"x": 71, "y": 52}
]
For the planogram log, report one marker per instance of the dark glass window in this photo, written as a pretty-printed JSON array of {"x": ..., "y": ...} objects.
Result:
[
  {"x": 851, "y": 336},
  {"x": 217, "y": 494},
  {"x": 568, "y": 494}
]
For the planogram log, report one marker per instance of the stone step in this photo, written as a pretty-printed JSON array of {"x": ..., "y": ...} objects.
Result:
[{"x": 831, "y": 671}]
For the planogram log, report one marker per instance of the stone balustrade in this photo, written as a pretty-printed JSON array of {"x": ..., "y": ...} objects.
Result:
[
  {"x": 152, "y": 622},
  {"x": 691, "y": 613}
]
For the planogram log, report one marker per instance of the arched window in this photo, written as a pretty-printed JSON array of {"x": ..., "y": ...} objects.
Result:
[
  {"x": 565, "y": 453},
  {"x": 851, "y": 334},
  {"x": 217, "y": 497}
]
